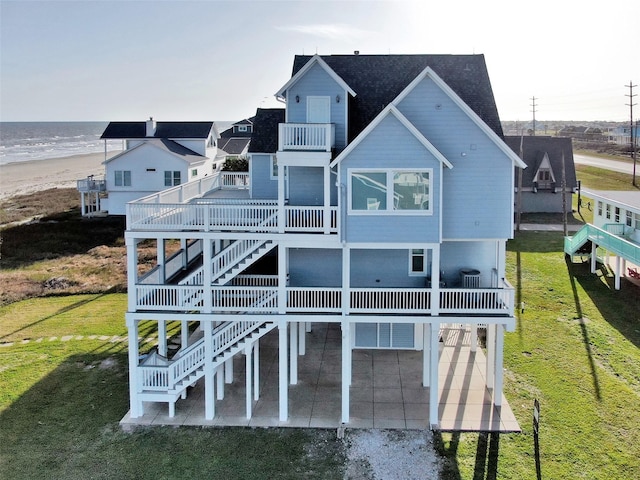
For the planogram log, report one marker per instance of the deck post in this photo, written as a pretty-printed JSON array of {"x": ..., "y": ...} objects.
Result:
[
  {"x": 283, "y": 388},
  {"x": 434, "y": 354},
  {"x": 162, "y": 337},
  {"x": 132, "y": 272},
  {"x": 209, "y": 385},
  {"x": 184, "y": 334},
  {"x": 497, "y": 387},
  {"x": 162, "y": 259},
  {"x": 220, "y": 383},
  {"x": 256, "y": 370},
  {"x": 228, "y": 371},
  {"x": 346, "y": 275},
  {"x": 248, "y": 350},
  {"x": 136, "y": 407},
  {"x": 594, "y": 257},
  {"x": 302, "y": 339},
  {"x": 618, "y": 271},
  {"x": 435, "y": 281},
  {"x": 346, "y": 369},
  {"x": 281, "y": 212},
  {"x": 207, "y": 275}
]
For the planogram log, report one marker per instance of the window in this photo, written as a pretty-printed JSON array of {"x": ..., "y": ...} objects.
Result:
[
  {"x": 599, "y": 209},
  {"x": 194, "y": 172},
  {"x": 397, "y": 191},
  {"x": 629, "y": 221},
  {"x": 636, "y": 221},
  {"x": 122, "y": 178},
  {"x": 416, "y": 261},
  {"x": 608, "y": 211},
  {"x": 172, "y": 178},
  {"x": 274, "y": 167},
  {"x": 617, "y": 216},
  {"x": 544, "y": 178}
]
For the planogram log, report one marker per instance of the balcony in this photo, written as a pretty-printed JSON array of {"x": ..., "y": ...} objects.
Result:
[
  {"x": 306, "y": 137},
  {"x": 264, "y": 298},
  {"x": 90, "y": 185}
]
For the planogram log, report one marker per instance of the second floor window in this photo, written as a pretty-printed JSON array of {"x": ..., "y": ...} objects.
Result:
[
  {"x": 122, "y": 178},
  {"x": 384, "y": 190},
  {"x": 172, "y": 178}
]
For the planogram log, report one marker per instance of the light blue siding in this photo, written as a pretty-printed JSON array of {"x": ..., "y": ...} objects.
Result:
[
  {"x": 478, "y": 255},
  {"x": 382, "y": 269},
  {"x": 391, "y": 145},
  {"x": 262, "y": 186},
  {"x": 315, "y": 267},
  {"x": 306, "y": 186},
  {"x": 384, "y": 335},
  {"x": 477, "y": 192},
  {"x": 318, "y": 82}
]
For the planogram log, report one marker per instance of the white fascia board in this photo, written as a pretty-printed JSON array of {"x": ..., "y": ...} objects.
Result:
[
  {"x": 315, "y": 59},
  {"x": 390, "y": 246},
  {"x": 428, "y": 72},
  {"x": 391, "y": 109}
]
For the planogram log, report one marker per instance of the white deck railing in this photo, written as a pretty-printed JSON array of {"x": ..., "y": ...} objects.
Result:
[
  {"x": 92, "y": 185},
  {"x": 264, "y": 299},
  {"x": 306, "y": 136}
]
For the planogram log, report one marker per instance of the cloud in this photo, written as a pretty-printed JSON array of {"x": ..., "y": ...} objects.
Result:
[{"x": 337, "y": 31}]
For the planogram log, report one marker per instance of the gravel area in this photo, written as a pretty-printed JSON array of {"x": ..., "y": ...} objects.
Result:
[{"x": 391, "y": 455}]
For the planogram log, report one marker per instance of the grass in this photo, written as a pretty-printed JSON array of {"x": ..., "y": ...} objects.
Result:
[{"x": 600, "y": 179}]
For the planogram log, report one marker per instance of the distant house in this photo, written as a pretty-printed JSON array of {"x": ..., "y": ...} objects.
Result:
[
  {"x": 234, "y": 142},
  {"x": 622, "y": 135},
  {"x": 542, "y": 179},
  {"x": 382, "y": 196},
  {"x": 585, "y": 134},
  {"x": 157, "y": 155}
]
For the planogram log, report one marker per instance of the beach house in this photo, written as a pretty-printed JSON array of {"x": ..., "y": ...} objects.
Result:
[
  {"x": 376, "y": 211},
  {"x": 155, "y": 156}
]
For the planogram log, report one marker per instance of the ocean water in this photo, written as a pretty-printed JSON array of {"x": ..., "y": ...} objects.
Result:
[{"x": 25, "y": 141}]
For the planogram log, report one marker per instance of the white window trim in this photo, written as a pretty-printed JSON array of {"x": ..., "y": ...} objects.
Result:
[
  {"x": 389, "y": 210},
  {"x": 273, "y": 161},
  {"x": 123, "y": 182},
  {"x": 413, "y": 273}
]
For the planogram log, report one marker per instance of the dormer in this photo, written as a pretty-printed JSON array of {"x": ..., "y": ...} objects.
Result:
[
  {"x": 316, "y": 115},
  {"x": 544, "y": 177}
]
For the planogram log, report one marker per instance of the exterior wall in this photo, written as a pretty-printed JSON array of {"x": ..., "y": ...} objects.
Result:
[
  {"x": 480, "y": 169},
  {"x": 311, "y": 267},
  {"x": 318, "y": 82},
  {"x": 262, "y": 186},
  {"x": 147, "y": 165},
  {"x": 478, "y": 255},
  {"x": 197, "y": 145},
  {"x": 382, "y": 269},
  {"x": 306, "y": 186},
  {"x": 544, "y": 202},
  {"x": 392, "y": 145}
]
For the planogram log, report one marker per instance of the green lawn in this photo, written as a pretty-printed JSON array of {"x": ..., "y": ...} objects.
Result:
[{"x": 576, "y": 349}]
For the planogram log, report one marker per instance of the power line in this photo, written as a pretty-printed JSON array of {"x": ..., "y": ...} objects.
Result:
[
  {"x": 631, "y": 136},
  {"x": 533, "y": 99}
]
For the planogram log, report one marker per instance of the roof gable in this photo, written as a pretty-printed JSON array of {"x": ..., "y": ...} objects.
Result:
[
  {"x": 138, "y": 130},
  {"x": 392, "y": 110},
  {"x": 169, "y": 146},
  {"x": 316, "y": 59},
  {"x": 433, "y": 76}
]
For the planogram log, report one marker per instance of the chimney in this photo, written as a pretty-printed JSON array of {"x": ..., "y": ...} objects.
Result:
[
  {"x": 151, "y": 127},
  {"x": 356, "y": 52}
]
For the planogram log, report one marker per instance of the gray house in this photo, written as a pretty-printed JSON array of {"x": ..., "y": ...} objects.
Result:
[
  {"x": 382, "y": 194},
  {"x": 542, "y": 179}
]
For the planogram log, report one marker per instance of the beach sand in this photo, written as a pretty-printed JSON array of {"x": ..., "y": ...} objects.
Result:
[{"x": 28, "y": 177}]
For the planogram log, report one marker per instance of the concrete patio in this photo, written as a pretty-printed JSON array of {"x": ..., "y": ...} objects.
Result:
[{"x": 386, "y": 390}]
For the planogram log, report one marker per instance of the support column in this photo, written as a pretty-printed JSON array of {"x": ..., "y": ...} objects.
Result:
[
  {"x": 136, "y": 407},
  {"x": 293, "y": 356},
  {"x": 594, "y": 258},
  {"x": 207, "y": 275},
  {"x": 282, "y": 279},
  {"x": 185, "y": 254},
  {"x": 162, "y": 259},
  {"x": 474, "y": 337},
  {"x": 346, "y": 278},
  {"x": 209, "y": 384},
  {"x": 82, "y": 204},
  {"x": 248, "y": 350},
  {"x": 162, "y": 338},
  {"x": 283, "y": 390},
  {"x": 346, "y": 369},
  {"x": 228, "y": 371},
  {"x": 435, "y": 281},
  {"x": 618, "y": 271},
  {"x": 302, "y": 339},
  {"x": 256, "y": 370},
  {"x": 434, "y": 355},
  {"x": 184, "y": 333},
  {"x": 220, "y": 383},
  {"x": 426, "y": 354},
  {"x": 326, "y": 214},
  {"x": 491, "y": 352},
  {"x": 281, "y": 192},
  {"x": 132, "y": 273},
  {"x": 497, "y": 387}
]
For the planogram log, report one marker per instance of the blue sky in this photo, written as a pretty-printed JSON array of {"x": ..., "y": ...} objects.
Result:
[{"x": 220, "y": 60}]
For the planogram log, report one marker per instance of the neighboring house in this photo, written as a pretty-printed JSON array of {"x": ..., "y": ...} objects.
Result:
[
  {"x": 156, "y": 156},
  {"x": 381, "y": 200},
  {"x": 615, "y": 229},
  {"x": 622, "y": 135},
  {"x": 234, "y": 142},
  {"x": 586, "y": 134},
  {"x": 543, "y": 177}
]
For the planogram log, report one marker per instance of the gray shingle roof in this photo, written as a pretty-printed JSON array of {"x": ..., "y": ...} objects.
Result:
[
  {"x": 534, "y": 149},
  {"x": 131, "y": 130},
  {"x": 379, "y": 79},
  {"x": 265, "y": 130}
]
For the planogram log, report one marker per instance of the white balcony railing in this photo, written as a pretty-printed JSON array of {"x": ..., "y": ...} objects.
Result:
[
  {"x": 264, "y": 299},
  {"x": 306, "y": 136},
  {"x": 90, "y": 184}
]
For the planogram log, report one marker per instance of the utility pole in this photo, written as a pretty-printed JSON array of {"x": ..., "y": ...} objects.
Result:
[
  {"x": 631, "y": 137},
  {"x": 533, "y": 104}
]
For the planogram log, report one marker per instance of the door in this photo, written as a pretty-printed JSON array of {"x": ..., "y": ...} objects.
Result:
[{"x": 318, "y": 110}]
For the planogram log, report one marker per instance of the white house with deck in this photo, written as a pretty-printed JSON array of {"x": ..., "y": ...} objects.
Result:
[
  {"x": 379, "y": 200},
  {"x": 156, "y": 156}
]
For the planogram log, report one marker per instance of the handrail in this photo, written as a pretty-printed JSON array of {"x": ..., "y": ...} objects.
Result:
[{"x": 613, "y": 243}]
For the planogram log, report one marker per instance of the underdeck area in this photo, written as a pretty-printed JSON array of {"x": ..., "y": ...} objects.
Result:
[{"x": 386, "y": 390}]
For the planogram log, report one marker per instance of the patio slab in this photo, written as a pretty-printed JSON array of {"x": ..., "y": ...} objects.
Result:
[{"x": 386, "y": 390}]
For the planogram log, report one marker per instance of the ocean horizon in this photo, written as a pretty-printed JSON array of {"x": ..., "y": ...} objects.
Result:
[{"x": 28, "y": 141}]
